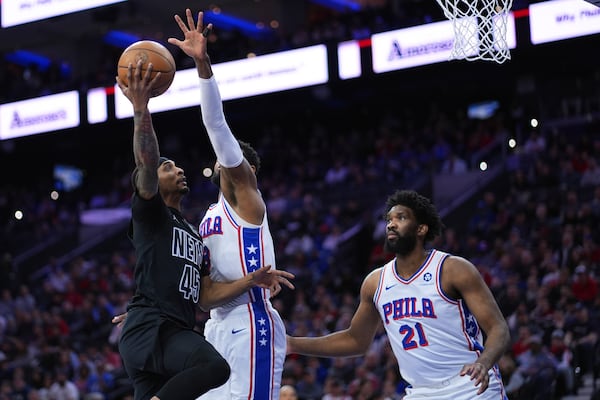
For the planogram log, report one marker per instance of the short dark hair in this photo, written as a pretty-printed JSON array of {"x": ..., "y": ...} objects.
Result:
[
  {"x": 425, "y": 212},
  {"x": 250, "y": 154}
]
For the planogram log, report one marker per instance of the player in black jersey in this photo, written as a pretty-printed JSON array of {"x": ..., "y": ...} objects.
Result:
[{"x": 162, "y": 353}]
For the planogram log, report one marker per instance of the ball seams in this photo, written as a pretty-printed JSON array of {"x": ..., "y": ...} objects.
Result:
[
  {"x": 147, "y": 51},
  {"x": 154, "y": 68}
]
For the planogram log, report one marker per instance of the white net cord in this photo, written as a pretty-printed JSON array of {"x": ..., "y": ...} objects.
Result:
[{"x": 479, "y": 28}]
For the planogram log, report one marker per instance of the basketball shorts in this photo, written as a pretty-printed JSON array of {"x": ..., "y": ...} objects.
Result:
[
  {"x": 460, "y": 388},
  {"x": 251, "y": 337}
]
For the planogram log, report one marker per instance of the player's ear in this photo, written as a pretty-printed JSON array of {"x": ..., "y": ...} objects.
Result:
[{"x": 422, "y": 229}]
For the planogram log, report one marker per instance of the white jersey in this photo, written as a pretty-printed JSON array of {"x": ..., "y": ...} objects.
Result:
[
  {"x": 431, "y": 335},
  {"x": 236, "y": 248},
  {"x": 247, "y": 331}
]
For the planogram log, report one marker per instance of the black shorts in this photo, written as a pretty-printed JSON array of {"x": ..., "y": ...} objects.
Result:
[{"x": 155, "y": 350}]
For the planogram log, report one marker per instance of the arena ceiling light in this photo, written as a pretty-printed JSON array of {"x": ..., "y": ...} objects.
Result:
[
  {"x": 339, "y": 5},
  {"x": 230, "y": 22},
  {"x": 120, "y": 39}
]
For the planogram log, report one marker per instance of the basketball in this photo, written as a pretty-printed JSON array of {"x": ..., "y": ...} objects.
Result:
[{"x": 153, "y": 52}]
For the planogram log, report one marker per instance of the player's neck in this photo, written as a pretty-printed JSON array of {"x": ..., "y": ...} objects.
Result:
[
  {"x": 408, "y": 264},
  {"x": 173, "y": 201}
]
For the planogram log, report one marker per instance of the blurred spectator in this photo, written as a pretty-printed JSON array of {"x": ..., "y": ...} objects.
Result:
[
  {"x": 591, "y": 176},
  {"x": 334, "y": 389},
  {"x": 535, "y": 143},
  {"x": 511, "y": 377},
  {"x": 308, "y": 387},
  {"x": 63, "y": 388},
  {"x": 337, "y": 173},
  {"x": 567, "y": 249},
  {"x": 521, "y": 341},
  {"x": 581, "y": 334},
  {"x": 288, "y": 392},
  {"x": 564, "y": 357},
  {"x": 584, "y": 286},
  {"x": 20, "y": 387},
  {"x": 454, "y": 165},
  {"x": 539, "y": 368}
]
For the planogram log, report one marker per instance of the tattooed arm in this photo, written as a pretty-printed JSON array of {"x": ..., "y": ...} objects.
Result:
[{"x": 145, "y": 143}]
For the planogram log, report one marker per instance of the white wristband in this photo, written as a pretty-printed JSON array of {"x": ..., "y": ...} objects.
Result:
[{"x": 226, "y": 147}]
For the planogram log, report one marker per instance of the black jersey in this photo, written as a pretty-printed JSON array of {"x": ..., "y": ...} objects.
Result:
[{"x": 169, "y": 264}]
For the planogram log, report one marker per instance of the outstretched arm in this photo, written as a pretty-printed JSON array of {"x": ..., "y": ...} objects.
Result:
[
  {"x": 238, "y": 179},
  {"x": 145, "y": 143},
  {"x": 353, "y": 341},
  {"x": 194, "y": 45},
  {"x": 214, "y": 294}
]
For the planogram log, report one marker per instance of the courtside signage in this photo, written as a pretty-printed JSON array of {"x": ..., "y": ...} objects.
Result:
[
  {"x": 15, "y": 12},
  {"x": 411, "y": 47},
  {"x": 562, "y": 19},
  {"x": 97, "y": 110},
  {"x": 241, "y": 78},
  {"x": 349, "y": 65},
  {"x": 271, "y": 73},
  {"x": 425, "y": 44},
  {"x": 42, "y": 114}
]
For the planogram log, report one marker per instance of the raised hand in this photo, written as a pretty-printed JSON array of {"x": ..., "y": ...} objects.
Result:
[
  {"x": 139, "y": 89},
  {"x": 195, "y": 36}
]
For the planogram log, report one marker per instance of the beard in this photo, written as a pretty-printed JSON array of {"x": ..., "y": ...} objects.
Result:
[
  {"x": 184, "y": 190},
  {"x": 403, "y": 244}
]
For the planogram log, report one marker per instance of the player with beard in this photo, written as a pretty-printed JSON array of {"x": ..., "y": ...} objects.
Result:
[{"x": 432, "y": 305}]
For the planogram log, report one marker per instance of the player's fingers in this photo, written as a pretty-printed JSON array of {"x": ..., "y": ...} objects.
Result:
[
  {"x": 190, "y": 19},
  {"x": 285, "y": 274},
  {"x": 180, "y": 23},
  {"x": 129, "y": 71},
  {"x": 155, "y": 79},
  {"x": 471, "y": 370},
  {"x": 148, "y": 73},
  {"x": 175, "y": 42},
  {"x": 275, "y": 290},
  {"x": 287, "y": 283},
  {"x": 200, "y": 21},
  {"x": 484, "y": 384},
  {"x": 138, "y": 70}
]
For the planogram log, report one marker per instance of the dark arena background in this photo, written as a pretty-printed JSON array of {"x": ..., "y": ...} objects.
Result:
[{"x": 509, "y": 153}]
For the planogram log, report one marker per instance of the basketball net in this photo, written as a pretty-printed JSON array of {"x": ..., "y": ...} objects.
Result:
[{"x": 479, "y": 28}]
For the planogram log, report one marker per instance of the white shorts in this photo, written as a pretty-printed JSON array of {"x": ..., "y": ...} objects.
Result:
[
  {"x": 460, "y": 388},
  {"x": 252, "y": 340}
]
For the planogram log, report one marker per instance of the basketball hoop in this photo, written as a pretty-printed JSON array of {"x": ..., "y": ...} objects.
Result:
[{"x": 479, "y": 28}]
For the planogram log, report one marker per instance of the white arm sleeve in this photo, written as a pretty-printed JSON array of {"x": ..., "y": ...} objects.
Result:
[{"x": 226, "y": 147}]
